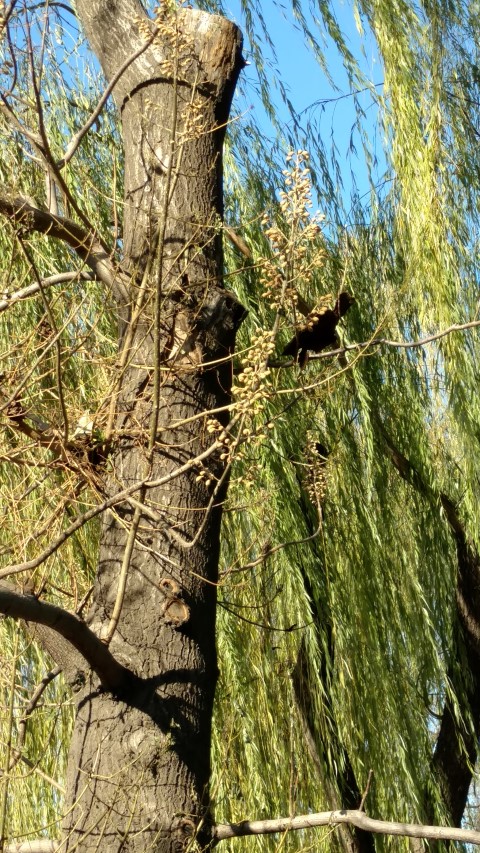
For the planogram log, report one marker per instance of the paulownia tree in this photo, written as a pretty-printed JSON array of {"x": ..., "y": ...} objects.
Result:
[
  {"x": 140, "y": 755},
  {"x": 348, "y": 575}
]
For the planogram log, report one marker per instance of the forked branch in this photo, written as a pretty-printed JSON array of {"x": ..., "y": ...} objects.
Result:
[{"x": 86, "y": 244}]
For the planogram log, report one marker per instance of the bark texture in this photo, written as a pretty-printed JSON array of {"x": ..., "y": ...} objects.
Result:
[{"x": 140, "y": 761}]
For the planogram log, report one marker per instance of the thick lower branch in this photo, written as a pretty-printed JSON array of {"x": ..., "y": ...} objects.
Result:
[
  {"x": 354, "y": 817},
  {"x": 113, "y": 676},
  {"x": 87, "y": 245}
]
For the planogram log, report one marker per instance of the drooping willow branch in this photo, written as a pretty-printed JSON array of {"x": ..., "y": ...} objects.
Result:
[{"x": 456, "y": 743}]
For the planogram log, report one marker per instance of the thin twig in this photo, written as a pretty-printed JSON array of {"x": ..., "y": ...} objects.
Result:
[
  {"x": 289, "y": 630},
  {"x": 58, "y": 346},
  {"x": 30, "y": 708},
  {"x": 38, "y": 772},
  {"x": 122, "y": 579},
  {"x": 44, "y": 148},
  {"x": 273, "y": 550},
  {"x": 365, "y": 793},
  {"x": 119, "y": 497}
]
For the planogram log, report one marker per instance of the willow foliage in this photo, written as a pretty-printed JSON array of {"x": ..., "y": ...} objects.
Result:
[
  {"x": 370, "y": 602},
  {"x": 337, "y": 624}
]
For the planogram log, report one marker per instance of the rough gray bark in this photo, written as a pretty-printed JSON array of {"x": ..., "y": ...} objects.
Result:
[{"x": 140, "y": 762}]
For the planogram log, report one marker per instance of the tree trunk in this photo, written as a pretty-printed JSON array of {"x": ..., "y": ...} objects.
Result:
[{"x": 139, "y": 763}]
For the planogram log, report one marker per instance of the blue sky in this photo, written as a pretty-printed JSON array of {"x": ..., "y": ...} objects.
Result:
[{"x": 306, "y": 82}]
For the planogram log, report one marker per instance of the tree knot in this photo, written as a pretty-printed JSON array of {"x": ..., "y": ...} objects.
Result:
[{"x": 174, "y": 609}]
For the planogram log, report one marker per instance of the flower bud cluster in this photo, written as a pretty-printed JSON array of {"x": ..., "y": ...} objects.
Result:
[
  {"x": 222, "y": 436},
  {"x": 174, "y": 48},
  {"x": 194, "y": 118},
  {"x": 318, "y": 472},
  {"x": 294, "y": 239},
  {"x": 252, "y": 385},
  {"x": 205, "y": 476}
]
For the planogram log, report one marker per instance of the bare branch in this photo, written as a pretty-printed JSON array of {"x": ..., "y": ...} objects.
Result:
[
  {"x": 376, "y": 342},
  {"x": 355, "y": 817},
  {"x": 456, "y": 327},
  {"x": 10, "y": 299},
  {"x": 333, "y": 818},
  {"x": 76, "y": 140},
  {"x": 113, "y": 676},
  {"x": 110, "y": 502},
  {"x": 86, "y": 244}
]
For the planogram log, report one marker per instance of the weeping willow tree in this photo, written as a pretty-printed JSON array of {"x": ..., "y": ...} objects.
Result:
[{"x": 154, "y": 476}]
